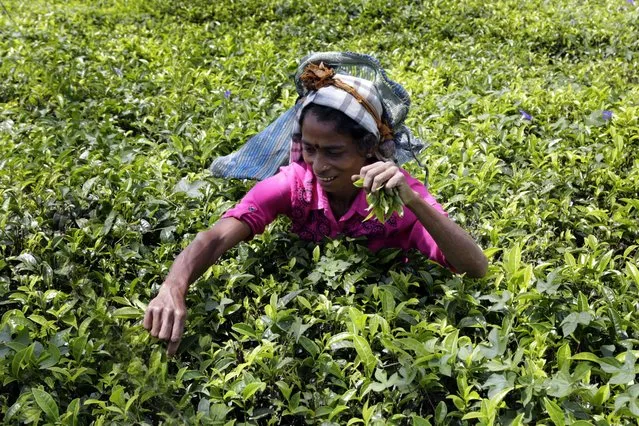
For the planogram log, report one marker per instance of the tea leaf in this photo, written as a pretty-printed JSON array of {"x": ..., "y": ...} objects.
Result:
[
  {"x": 252, "y": 388},
  {"x": 555, "y": 412},
  {"x": 128, "y": 313},
  {"x": 365, "y": 354},
  {"x": 46, "y": 403}
]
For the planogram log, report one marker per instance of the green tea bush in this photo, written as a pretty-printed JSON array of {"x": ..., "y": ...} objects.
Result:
[{"x": 110, "y": 112}]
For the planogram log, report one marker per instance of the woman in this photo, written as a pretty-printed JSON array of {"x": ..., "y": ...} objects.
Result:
[{"x": 342, "y": 133}]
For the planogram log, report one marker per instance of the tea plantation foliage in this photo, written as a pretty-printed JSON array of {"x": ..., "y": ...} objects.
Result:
[{"x": 110, "y": 113}]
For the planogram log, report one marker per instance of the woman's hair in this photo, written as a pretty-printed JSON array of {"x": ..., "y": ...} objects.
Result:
[{"x": 344, "y": 125}]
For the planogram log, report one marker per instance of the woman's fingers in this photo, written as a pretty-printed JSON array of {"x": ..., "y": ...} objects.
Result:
[
  {"x": 167, "y": 325},
  {"x": 370, "y": 172},
  {"x": 382, "y": 178},
  {"x": 157, "y": 321},
  {"x": 370, "y": 166},
  {"x": 178, "y": 325},
  {"x": 172, "y": 347},
  {"x": 148, "y": 319},
  {"x": 405, "y": 192},
  {"x": 394, "y": 181},
  {"x": 388, "y": 175},
  {"x": 378, "y": 174}
]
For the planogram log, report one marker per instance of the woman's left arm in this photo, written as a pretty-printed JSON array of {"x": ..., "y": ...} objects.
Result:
[{"x": 458, "y": 247}]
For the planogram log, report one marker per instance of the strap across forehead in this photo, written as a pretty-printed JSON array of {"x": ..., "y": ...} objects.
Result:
[{"x": 315, "y": 77}]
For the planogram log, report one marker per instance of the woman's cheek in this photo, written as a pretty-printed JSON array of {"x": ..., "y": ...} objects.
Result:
[{"x": 308, "y": 158}]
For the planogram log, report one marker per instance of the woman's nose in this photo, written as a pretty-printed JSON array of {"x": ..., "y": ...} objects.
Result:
[{"x": 319, "y": 164}]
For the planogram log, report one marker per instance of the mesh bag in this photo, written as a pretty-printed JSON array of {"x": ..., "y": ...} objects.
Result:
[{"x": 263, "y": 154}]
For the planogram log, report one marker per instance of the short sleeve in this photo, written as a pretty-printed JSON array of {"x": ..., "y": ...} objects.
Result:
[
  {"x": 419, "y": 238},
  {"x": 261, "y": 205}
]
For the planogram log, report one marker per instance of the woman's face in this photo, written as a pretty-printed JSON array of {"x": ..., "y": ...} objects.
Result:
[{"x": 334, "y": 157}]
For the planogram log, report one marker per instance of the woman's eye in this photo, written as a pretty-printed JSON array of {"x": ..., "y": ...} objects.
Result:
[{"x": 308, "y": 148}]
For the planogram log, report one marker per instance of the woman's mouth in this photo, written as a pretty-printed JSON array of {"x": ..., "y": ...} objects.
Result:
[{"x": 326, "y": 179}]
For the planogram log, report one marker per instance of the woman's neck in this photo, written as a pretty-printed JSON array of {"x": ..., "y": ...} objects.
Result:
[{"x": 341, "y": 203}]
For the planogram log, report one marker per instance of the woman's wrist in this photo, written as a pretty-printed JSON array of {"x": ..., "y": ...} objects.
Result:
[
  {"x": 172, "y": 285},
  {"x": 413, "y": 200}
]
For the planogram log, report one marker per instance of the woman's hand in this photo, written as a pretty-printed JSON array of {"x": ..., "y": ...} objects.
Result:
[
  {"x": 165, "y": 316},
  {"x": 388, "y": 175}
]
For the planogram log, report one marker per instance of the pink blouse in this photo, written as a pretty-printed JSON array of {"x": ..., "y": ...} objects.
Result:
[{"x": 295, "y": 192}]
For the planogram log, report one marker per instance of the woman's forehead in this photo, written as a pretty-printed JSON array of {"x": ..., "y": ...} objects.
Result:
[
  {"x": 331, "y": 145},
  {"x": 324, "y": 133}
]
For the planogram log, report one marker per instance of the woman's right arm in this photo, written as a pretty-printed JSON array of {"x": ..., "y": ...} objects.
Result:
[{"x": 166, "y": 313}]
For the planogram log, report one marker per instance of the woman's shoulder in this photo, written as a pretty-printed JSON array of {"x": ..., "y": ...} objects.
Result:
[{"x": 291, "y": 179}]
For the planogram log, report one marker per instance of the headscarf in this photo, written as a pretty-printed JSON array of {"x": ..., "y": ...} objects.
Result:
[{"x": 356, "y": 97}]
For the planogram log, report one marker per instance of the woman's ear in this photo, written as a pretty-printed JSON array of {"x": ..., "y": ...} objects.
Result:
[{"x": 369, "y": 158}]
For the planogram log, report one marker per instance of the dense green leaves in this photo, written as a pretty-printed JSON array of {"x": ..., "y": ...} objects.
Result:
[{"x": 110, "y": 113}]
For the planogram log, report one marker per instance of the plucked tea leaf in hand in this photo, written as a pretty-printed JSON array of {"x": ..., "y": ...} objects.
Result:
[{"x": 382, "y": 204}]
